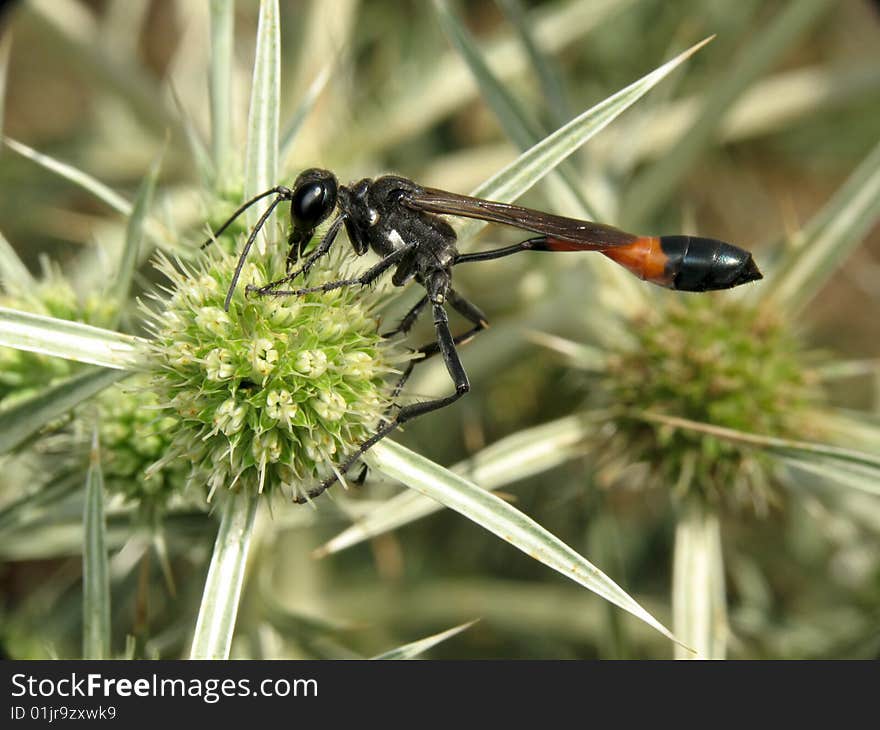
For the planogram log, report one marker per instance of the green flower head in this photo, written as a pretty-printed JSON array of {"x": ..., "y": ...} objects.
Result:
[
  {"x": 276, "y": 391},
  {"x": 719, "y": 363}
]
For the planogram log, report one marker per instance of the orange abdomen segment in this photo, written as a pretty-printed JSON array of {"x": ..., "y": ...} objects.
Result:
[{"x": 645, "y": 258}]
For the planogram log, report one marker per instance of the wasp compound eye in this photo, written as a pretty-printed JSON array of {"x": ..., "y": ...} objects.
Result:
[{"x": 312, "y": 202}]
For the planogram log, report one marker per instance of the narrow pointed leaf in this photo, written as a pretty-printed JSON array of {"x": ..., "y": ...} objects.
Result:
[
  {"x": 860, "y": 429},
  {"x": 134, "y": 234},
  {"x": 160, "y": 547},
  {"x": 96, "y": 573},
  {"x": 522, "y": 131},
  {"x": 520, "y": 456},
  {"x": 157, "y": 233},
  {"x": 261, "y": 166},
  {"x": 204, "y": 164},
  {"x": 828, "y": 239},
  {"x": 654, "y": 187},
  {"x": 414, "y": 649},
  {"x": 503, "y": 520},
  {"x": 222, "y": 113},
  {"x": 36, "y": 504},
  {"x": 220, "y": 599},
  {"x": 22, "y": 420},
  {"x": 851, "y": 458},
  {"x": 70, "y": 340},
  {"x": 530, "y": 167},
  {"x": 699, "y": 607},
  {"x": 551, "y": 81},
  {"x": 860, "y": 479},
  {"x": 75, "y": 175},
  {"x": 303, "y": 109},
  {"x": 12, "y": 268}
]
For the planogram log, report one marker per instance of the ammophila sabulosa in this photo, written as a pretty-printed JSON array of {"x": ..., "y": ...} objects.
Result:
[{"x": 400, "y": 221}]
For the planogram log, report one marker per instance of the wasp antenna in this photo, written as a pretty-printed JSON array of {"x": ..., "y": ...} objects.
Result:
[
  {"x": 250, "y": 242},
  {"x": 282, "y": 193}
]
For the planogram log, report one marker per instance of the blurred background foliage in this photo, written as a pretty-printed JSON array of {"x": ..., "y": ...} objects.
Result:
[{"x": 90, "y": 83}]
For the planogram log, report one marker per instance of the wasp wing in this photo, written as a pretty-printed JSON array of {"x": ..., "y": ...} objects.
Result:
[{"x": 593, "y": 236}]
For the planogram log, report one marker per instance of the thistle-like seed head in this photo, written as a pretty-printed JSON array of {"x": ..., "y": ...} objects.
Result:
[
  {"x": 724, "y": 364},
  {"x": 276, "y": 391}
]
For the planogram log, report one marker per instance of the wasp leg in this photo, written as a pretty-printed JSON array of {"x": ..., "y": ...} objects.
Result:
[
  {"x": 539, "y": 243},
  {"x": 446, "y": 347},
  {"x": 322, "y": 250},
  {"x": 409, "y": 319},
  {"x": 365, "y": 279},
  {"x": 362, "y": 477},
  {"x": 463, "y": 307}
]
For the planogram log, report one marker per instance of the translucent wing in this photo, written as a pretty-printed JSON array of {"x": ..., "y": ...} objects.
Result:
[{"x": 590, "y": 235}]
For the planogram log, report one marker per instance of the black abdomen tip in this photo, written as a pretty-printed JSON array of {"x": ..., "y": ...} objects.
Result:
[{"x": 706, "y": 264}]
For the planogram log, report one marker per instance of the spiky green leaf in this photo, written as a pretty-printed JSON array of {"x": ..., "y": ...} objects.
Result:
[
  {"x": 70, "y": 340},
  {"x": 261, "y": 160},
  {"x": 503, "y": 520},
  {"x": 25, "y": 417},
  {"x": 827, "y": 240},
  {"x": 414, "y": 649},
  {"x": 12, "y": 268},
  {"x": 96, "y": 573},
  {"x": 134, "y": 234},
  {"x": 519, "y": 456},
  {"x": 699, "y": 607},
  {"x": 531, "y": 166}
]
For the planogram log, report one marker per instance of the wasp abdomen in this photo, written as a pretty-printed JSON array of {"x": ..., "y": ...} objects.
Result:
[{"x": 706, "y": 264}]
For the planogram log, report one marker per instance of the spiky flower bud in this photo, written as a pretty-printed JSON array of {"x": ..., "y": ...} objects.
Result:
[
  {"x": 724, "y": 364},
  {"x": 134, "y": 435},
  {"x": 276, "y": 391}
]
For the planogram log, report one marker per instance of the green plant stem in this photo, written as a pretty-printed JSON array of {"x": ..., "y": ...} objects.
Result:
[
  {"x": 220, "y": 599},
  {"x": 699, "y": 608}
]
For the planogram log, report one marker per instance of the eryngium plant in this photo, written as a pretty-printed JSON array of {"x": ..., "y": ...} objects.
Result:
[
  {"x": 134, "y": 434},
  {"x": 274, "y": 392},
  {"x": 23, "y": 373},
  {"x": 708, "y": 360}
]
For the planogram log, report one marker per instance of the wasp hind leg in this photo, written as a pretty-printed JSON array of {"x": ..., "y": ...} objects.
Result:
[
  {"x": 444, "y": 345},
  {"x": 461, "y": 305}
]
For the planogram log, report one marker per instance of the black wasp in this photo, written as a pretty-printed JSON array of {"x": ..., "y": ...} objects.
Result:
[{"x": 398, "y": 219}]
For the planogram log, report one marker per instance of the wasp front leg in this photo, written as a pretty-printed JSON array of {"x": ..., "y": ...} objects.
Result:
[
  {"x": 365, "y": 279},
  {"x": 322, "y": 250}
]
